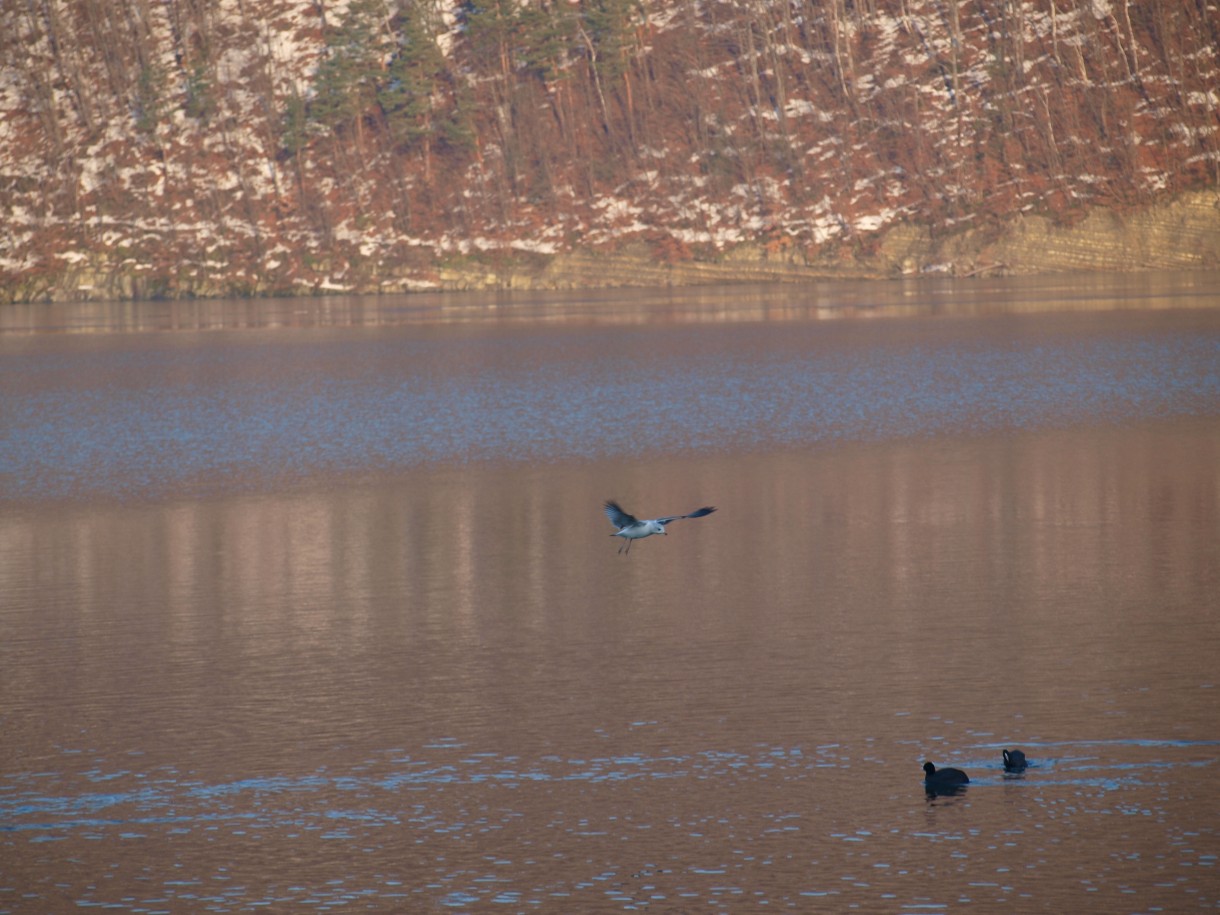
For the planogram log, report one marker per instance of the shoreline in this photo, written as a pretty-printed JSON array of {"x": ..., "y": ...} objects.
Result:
[
  {"x": 726, "y": 303},
  {"x": 1182, "y": 234}
]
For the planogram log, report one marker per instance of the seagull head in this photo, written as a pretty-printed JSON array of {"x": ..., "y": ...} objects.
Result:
[{"x": 657, "y": 527}]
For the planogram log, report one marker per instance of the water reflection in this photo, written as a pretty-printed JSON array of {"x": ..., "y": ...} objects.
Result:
[
  {"x": 421, "y": 686},
  {"x": 733, "y": 304},
  {"x": 1002, "y": 528},
  {"x": 393, "y": 674}
]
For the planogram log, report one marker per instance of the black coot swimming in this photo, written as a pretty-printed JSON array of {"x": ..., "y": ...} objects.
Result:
[
  {"x": 943, "y": 778},
  {"x": 1014, "y": 760}
]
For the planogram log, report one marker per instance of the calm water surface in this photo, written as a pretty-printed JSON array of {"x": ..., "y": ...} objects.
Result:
[{"x": 309, "y": 606}]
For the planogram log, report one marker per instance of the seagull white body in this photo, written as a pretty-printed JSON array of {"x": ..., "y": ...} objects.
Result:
[{"x": 631, "y": 528}]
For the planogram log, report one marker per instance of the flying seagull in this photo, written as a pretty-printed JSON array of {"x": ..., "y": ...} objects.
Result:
[{"x": 631, "y": 528}]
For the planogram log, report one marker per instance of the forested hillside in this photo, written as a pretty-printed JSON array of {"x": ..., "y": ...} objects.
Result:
[{"x": 188, "y": 147}]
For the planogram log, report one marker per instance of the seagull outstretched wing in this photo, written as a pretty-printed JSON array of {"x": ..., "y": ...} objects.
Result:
[
  {"x": 621, "y": 519},
  {"x": 617, "y": 516},
  {"x": 698, "y": 513}
]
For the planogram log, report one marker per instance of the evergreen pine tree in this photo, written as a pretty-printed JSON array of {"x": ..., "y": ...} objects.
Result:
[{"x": 345, "y": 85}]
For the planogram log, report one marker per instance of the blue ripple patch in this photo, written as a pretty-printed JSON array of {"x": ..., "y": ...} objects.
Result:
[{"x": 266, "y": 415}]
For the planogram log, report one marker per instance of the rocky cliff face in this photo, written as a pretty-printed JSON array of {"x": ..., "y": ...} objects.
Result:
[{"x": 180, "y": 148}]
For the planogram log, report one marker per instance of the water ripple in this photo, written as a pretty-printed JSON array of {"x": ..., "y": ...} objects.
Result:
[{"x": 273, "y": 413}]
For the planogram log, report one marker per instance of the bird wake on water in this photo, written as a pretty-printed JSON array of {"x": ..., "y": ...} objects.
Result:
[{"x": 631, "y": 528}]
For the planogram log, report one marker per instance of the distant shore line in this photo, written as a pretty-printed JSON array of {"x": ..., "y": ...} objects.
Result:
[{"x": 1180, "y": 234}]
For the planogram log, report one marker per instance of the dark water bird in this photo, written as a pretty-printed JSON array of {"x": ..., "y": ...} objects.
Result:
[
  {"x": 632, "y": 528},
  {"x": 1014, "y": 761},
  {"x": 942, "y": 779}
]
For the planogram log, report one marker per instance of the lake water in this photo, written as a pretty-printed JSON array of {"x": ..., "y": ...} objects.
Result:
[{"x": 310, "y": 605}]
